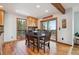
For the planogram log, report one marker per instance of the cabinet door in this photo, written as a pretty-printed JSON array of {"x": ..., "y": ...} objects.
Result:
[
  {"x": 1, "y": 18},
  {"x": 35, "y": 21},
  {"x": 31, "y": 21}
]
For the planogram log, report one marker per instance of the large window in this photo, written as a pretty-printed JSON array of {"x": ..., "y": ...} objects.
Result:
[
  {"x": 52, "y": 25},
  {"x": 21, "y": 27},
  {"x": 44, "y": 25},
  {"x": 49, "y": 25}
]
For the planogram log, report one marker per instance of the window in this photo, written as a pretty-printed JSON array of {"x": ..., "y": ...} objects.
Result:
[
  {"x": 52, "y": 25},
  {"x": 21, "y": 27},
  {"x": 49, "y": 25},
  {"x": 44, "y": 25}
]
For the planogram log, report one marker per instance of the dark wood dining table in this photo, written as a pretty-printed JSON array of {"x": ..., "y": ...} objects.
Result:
[{"x": 38, "y": 35}]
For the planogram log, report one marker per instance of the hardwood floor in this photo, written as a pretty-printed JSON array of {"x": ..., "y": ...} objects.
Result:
[
  {"x": 75, "y": 50},
  {"x": 19, "y": 48}
]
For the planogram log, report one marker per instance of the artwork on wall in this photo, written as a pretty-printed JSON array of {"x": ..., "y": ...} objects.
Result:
[{"x": 64, "y": 23}]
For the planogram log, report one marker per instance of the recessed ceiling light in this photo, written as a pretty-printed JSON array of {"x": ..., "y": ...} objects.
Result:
[
  {"x": 37, "y": 6},
  {"x": 46, "y": 11}
]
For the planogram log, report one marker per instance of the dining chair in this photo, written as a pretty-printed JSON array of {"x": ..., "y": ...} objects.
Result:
[
  {"x": 45, "y": 41},
  {"x": 29, "y": 39},
  {"x": 27, "y": 32},
  {"x": 32, "y": 40},
  {"x": 36, "y": 40}
]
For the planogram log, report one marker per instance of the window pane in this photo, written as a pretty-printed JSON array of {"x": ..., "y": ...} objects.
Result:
[
  {"x": 52, "y": 25},
  {"x": 44, "y": 25},
  {"x": 21, "y": 27}
]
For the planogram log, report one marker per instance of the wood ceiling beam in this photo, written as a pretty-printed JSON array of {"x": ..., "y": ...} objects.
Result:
[{"x": 59, "y": 7}]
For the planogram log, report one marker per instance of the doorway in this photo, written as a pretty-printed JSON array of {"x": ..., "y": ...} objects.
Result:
[
  {"x": 52, "y": 26},
  {"x": 21, "y": 28}
]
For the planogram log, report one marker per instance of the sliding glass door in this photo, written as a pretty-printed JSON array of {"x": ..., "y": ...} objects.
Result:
[
  {"x": 44, "y": 25},
  {"x": 50, "y": 25}
]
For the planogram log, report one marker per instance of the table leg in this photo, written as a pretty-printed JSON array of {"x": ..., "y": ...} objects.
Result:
[{"x": 38, "y": 44}]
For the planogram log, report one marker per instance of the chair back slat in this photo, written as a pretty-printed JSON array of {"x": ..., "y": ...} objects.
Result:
[{"x": 48, "y": 35}]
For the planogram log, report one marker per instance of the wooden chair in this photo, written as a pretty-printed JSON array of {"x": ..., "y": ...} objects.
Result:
[
  {"x": 32, "y": 42},
  {"x": 27, "y": 33},
  {"x": 29, "y": 39},
  {"x": 45, "y": 41}
]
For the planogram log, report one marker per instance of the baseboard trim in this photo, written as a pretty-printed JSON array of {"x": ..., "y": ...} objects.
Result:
[
  {"x": 64, "y": 43},
  {"x": 61, "y": 43},
  {"x": 76, "y": 44},
  {"x": 53, "y": 40},
  {"x": 9, "y": 41}
]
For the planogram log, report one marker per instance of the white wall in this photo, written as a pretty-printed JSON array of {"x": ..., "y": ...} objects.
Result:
[
  {"x": 10, "y": 27},
  {"x": 66, "y": 33},
  {"x": 76, "y": 22}
]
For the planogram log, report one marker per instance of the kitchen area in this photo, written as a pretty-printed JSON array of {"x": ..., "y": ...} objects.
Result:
[{"x": 1, "y": 28}]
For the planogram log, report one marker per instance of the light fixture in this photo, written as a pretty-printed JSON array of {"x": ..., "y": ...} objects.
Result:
[
  {"x": 37, "y": 6},
  {"x": 46, "y": 11}
]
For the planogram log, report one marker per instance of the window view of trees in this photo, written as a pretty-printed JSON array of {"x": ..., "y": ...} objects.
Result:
[
  {"x": 21, "y": 27},
  {"x": 21, "y": 24},
  {"x": 50, "y": 25}
]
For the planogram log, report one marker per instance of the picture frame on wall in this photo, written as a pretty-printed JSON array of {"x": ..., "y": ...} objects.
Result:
[{"x": 64, "y": 23}]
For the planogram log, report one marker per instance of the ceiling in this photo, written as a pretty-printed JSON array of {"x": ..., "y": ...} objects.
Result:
[
  {"x": 71, "y": 5},
  {"x": 27, "y": 9},
  {"x": 30, "y": 9}
]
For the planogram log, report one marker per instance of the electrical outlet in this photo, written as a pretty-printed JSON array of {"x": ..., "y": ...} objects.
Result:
[
  {"x": 11, "y": 37},
  {"x": 62, "y": 38}
]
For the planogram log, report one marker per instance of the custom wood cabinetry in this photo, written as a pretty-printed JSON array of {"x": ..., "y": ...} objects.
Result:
[
  {"x": 1, "y": 17},
  {"x": 32, "y": 21}
]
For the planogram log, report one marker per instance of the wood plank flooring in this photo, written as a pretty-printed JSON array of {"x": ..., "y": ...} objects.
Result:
[
  {"x": 75, "y": 50},
  {"x": 19, "y": 48}
]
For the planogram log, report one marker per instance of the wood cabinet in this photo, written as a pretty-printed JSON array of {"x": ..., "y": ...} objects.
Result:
[
  {"x": 1, "y": 17},
  {"x": 32, "y": 21}
]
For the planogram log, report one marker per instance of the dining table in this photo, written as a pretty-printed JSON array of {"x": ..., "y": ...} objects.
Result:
[{"x": 38, "y": 35}]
